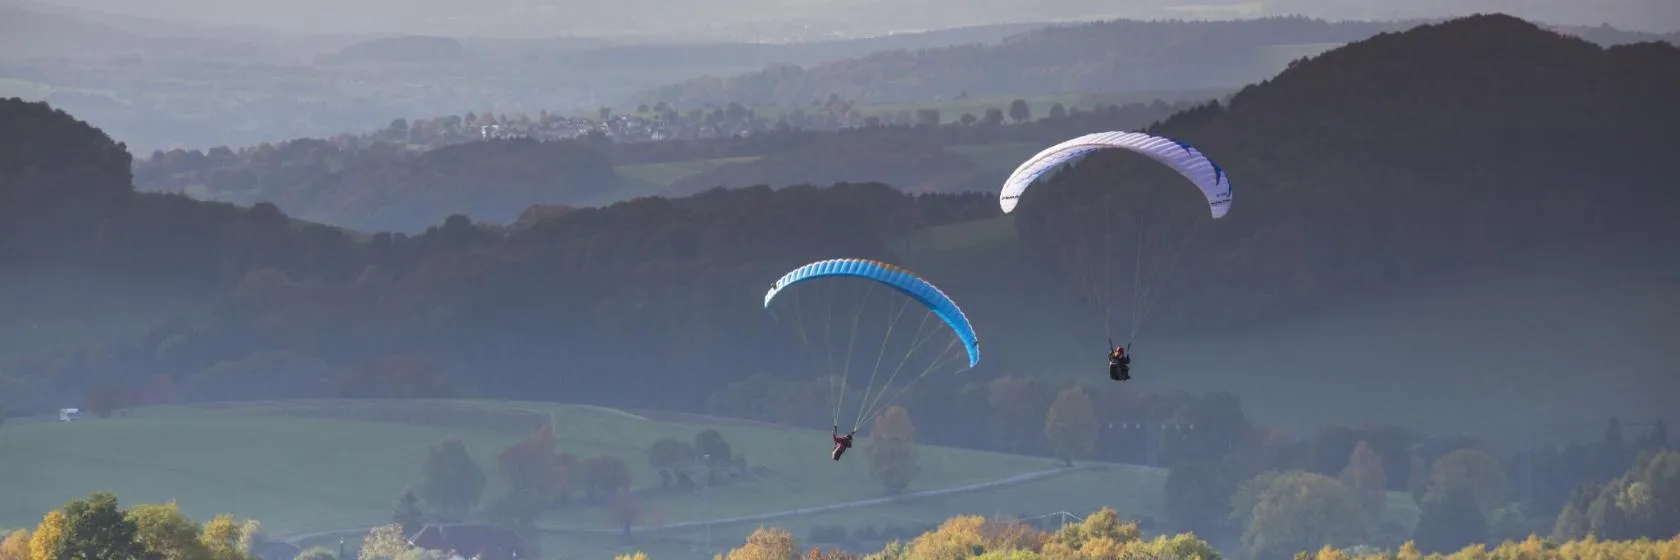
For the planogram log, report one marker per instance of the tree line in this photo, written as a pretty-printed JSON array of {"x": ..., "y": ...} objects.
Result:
[{"x": 96, "y": 526}]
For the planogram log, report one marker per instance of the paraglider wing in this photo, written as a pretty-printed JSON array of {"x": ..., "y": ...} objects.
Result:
[
  {"x": 906, "y": 282},
  {"x": 1183, "y": 158}
]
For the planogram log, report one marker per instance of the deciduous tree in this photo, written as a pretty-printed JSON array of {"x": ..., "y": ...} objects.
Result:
[
  {"x": 384, "y": 542},
  {"x": 766, "y": 544},
  {"x": 15, "y": 546},
  {"x": 1071, "y": 426},
  {"x": 408, "y": 513},
  {"x": 1364, "y": 477},
  {"x": 96, "y": 528},
  {"x": 1019, "y": 111},
  {"x": 49, "y": 533},
  {"x": 1302, "y": 511},
  {"x": 454, "y": 482},
  {"x": 669, "y": 457},
  {"x": 167, "y": 533},
  {"x": 221, "y": 537},
  {"x": 604, "y": 476},
  {"x": 1477, "y": 470},
  {"x": 893, "y": 459},
  {"x": 1449, "y": 520}
]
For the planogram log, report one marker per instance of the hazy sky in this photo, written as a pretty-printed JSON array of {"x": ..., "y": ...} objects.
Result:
[{"x": 783, "y": 19}]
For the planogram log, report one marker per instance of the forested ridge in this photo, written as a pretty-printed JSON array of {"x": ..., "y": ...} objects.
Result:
[{"x": 1381, "y": 161}]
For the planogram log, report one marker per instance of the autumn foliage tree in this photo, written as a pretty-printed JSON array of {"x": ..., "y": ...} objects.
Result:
[
  {"x": 766, "y": 544},
  {"x": 829, "y": 554},
  {"x": 15, "y": 546},
  {"x": 221, "y": 536},
  {"x": 1071, "y": 426},
  {"x": 892, "y": 450},
  {"x": 43, "y": 543},
  {"x": 534, "y": 475}
]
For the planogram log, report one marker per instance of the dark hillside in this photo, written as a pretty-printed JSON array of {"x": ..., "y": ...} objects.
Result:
[
  {"x": 1382, "y": 192},
  {"x": 1407, "y": 154}
]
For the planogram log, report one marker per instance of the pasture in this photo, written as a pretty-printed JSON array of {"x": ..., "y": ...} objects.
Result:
[{"x": 304, "y": 466}]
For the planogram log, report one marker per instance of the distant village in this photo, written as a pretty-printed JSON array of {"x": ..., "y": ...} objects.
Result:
[{"x": 647, "y": 124}]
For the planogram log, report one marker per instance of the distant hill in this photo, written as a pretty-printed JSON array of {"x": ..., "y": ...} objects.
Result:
[
  {"x": 1109, "y": 56},
  {"x": 757, "y": 55},
  {"x": 398, "y": 50},
  {"x": 772, "y": 20},
  {"x": 1119, "y": 55},
  {"x": 26, "y": 33}
]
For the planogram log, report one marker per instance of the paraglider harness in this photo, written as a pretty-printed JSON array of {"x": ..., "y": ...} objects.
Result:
[
  {"x": 1119, "y": 362},
  {"x": 841, "y": 442}
]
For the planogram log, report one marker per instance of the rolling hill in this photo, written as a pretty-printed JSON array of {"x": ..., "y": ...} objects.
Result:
[
  {"x": 1106, "y": 56},
  {"x": 1109, "y": 56}
]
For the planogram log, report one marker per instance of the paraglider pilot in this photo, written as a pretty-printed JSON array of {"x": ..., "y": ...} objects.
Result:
[
  {"x": 841, "y": 442},
  {"x": 1119, "y": 364}
]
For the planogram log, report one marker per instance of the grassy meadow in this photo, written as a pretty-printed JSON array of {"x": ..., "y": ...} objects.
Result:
[
  {"x": 653, "y": 179},
  {"x": 302, "y": 466},
  {"x": 306, "y": 467}
]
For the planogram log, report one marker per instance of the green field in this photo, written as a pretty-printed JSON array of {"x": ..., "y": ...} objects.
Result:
[
  {"x": 316, "y": 465},
  {"x": 313, "y": 466},
  {"x": 652, "y": 179}
]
